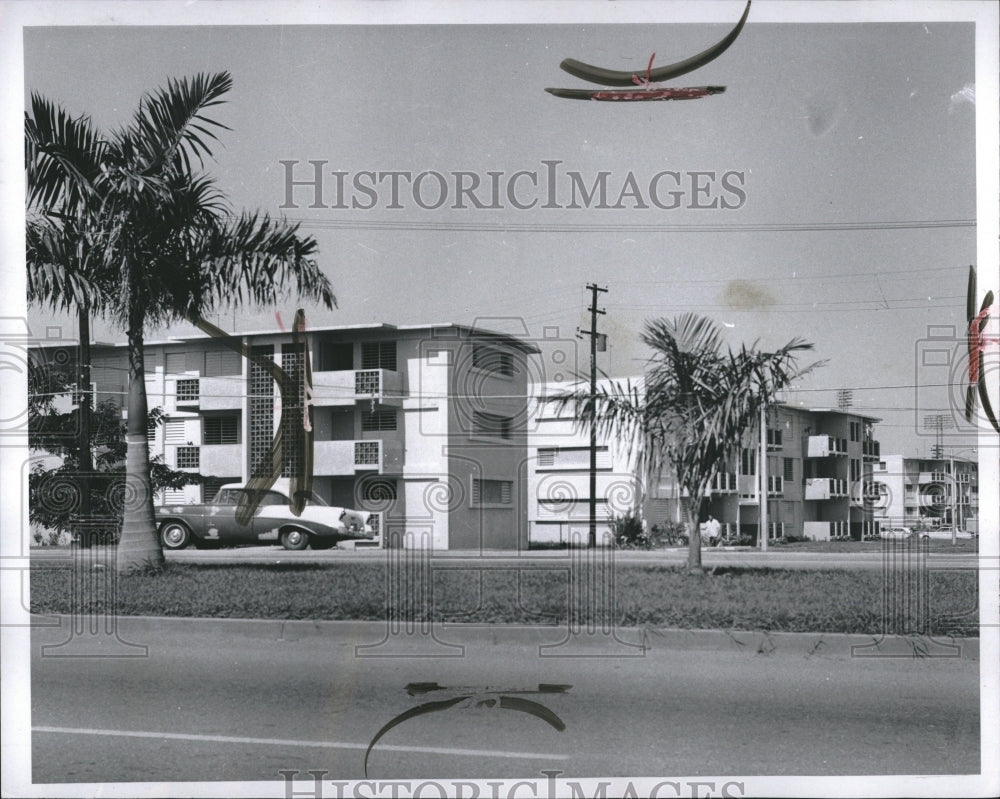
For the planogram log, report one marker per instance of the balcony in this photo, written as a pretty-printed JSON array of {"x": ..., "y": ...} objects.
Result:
[
  {"x": 222, "y": 460},
  {"x": 933, "y": 477},
  {"x": 871, "y": 450},
  {"x": 348, "y": 386},
  {"x": 724, "y": 483},
  {"x": 221, "y": 393},
  {"x": 343, "y": 458},
  {"x": 825, "y": 488},
  {"x": 826, "y": 531},
  {"x": 826, "y": 446}
]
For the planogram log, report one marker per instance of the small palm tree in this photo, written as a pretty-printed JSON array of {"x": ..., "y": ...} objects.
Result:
[
  {"x": 695, "y": 406},
  {"x": 125, "y": 224}
]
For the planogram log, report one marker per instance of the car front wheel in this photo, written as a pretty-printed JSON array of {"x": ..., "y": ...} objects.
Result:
[
  {"x": 294, "y": 539},
  {"x": 175, "y": 535}
]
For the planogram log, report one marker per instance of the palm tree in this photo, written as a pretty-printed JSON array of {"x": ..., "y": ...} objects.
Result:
[
  {"x": 160, "y": 244},
  {"x": 695, "y": 406}
]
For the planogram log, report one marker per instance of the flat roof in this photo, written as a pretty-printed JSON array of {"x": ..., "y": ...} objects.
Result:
[{"x": 464, "y": 330}]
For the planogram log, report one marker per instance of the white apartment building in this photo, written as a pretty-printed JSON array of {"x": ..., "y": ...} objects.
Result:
[
  {"x": 927, "y": 492},
  {"x": 424, "y": 425}
]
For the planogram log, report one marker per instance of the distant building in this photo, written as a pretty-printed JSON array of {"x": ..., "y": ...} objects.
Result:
[
  {"x": 927, "y": 492},
  {"x": 818, "y": 467},
  {"x": 424, "y": 424}
]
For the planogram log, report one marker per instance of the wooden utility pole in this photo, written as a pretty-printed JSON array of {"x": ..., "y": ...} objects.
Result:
[
  {"x": 594, "y": 289},
  {"x": 85, "y": 402},
  {"x": 763, "y": 478}
]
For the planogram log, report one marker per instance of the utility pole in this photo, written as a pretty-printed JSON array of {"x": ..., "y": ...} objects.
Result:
[
  {"x": 594, "y": 289},
  {"x": 85, "y": 403},
  {"x": 763, "y": 478}
]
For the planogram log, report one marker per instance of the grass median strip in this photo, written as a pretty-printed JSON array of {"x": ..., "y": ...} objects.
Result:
[{"x": 837, "y": 601}]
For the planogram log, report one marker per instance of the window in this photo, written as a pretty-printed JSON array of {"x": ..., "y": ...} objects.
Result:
[
  {"x": 492, "y": 359},
  {"x": 492, "y": 492},
  {"x": 748, "y": 461},
  {"x": 220, "y": 363},
  {"x": 855, "y": 470},
  {"x": 173, "y": 431},
  {"x": 335, "y": 356},
  {"x": 855, "y": 431},
  {"x": 547, "y": 457},
  {"x": 176, "y": 363},
  {"x": 187, "y": 457},
  {"x": 211, "y": 490},
  {"x": 789, "y": 472},
  {"x": 774, "y": 439},
  {"x": 187, "y": 390},
  {"x": 378, "y": 355},
  {"x": 378, "y": 420},
  {"x": 220, "y": 430},
  {"x": 488, "y": 424}
]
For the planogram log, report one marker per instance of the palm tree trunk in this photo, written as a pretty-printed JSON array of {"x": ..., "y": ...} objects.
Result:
[
  {"x": 139, "y": 546},
  {"x": 694, "y": 536}
]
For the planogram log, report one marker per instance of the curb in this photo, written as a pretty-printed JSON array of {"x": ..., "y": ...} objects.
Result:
[{"x": 624, "y": 642}]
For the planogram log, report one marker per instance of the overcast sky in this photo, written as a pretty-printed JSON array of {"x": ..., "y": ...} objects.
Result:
[{"x": 849, "y": 149}]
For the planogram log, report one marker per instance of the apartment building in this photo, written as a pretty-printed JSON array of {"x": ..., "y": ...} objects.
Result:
[
  {"x": 818, "y": 469},
  {"x": 422, "y": 424},
  {"x": 926, "y": 492},
  {"x": 817, "y": 464},
  {"x": 559, "y": 472}
]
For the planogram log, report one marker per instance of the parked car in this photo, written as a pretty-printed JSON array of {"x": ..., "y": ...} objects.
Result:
[
  {"x": 320, "y": 525},
  {"x": 896, "y": 532},
  {"x": 944, "y": 533}
]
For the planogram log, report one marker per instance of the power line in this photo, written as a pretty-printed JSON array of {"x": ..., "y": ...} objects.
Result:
[{"x": 583, "y": 227}]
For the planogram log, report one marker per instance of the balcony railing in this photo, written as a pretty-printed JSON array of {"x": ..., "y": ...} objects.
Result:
[
  {"x": 819, "y": 488},
  {"x": 826, "y": 446},
  {"x": 724, "y": 483},
  {"x": 348, "y": 386},
  {"x": 933, "y": 477},
  {"x": 346, "y": 458}
]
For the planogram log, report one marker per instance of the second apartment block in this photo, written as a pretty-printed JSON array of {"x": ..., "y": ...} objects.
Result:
[{"x": 424, "y": 425}]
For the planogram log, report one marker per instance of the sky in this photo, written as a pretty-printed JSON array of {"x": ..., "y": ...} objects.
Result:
[{"x": 837, "y": 171}]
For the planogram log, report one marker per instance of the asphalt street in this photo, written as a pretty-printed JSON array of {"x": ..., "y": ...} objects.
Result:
[{"x": 210, "y": 700}]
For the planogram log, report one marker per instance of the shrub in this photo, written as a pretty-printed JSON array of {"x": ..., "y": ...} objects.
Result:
[
  {"x": 669, "y": 534},
  {"x": 629, "y": 532}
]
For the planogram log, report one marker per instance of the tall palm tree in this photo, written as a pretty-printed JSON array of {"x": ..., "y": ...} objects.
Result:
[
  {"x": 162, "y": 245},
  {"x": 696, "y": 404}
]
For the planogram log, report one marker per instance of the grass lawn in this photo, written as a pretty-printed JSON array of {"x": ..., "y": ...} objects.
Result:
[{"x": 727, "y": 598}]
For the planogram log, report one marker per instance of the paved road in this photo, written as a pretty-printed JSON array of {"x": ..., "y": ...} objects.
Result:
[{"x": 228, "y": 700}]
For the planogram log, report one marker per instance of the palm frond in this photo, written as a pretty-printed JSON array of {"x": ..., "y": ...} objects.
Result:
[
  {"x": 63, "y": 156},
  {"x": 260, "y": 260},
  {"x": 171, "y": 123}
]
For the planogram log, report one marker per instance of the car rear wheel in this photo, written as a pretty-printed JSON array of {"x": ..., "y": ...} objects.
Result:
[
  {"x": 322, "y": 543},
  {"x": 294, "y": 539},
  {"x": 175, "y": 535}
]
